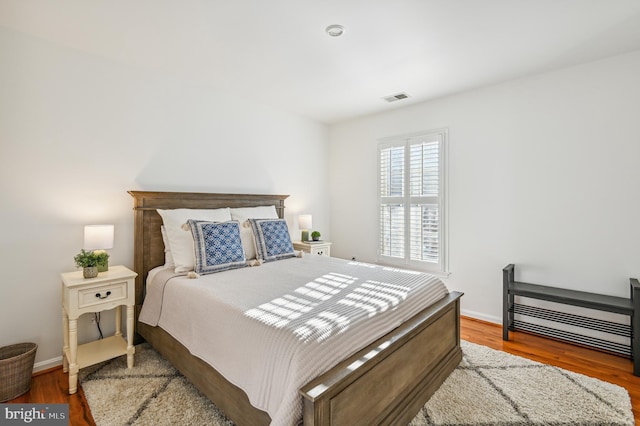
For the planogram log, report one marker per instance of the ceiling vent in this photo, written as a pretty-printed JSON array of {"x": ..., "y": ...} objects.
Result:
[{"x": 396, "y": 97}]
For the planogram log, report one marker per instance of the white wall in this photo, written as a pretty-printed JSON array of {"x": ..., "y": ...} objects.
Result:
[
  {"x": 78, "y": 131},
  {"x": 543, "y": 173}
]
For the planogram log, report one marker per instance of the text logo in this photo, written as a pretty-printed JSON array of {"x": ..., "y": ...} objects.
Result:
[{"x": 34, "y": 414}]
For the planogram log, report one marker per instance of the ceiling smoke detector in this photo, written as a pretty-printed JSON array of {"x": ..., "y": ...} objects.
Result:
[
  {"x": 396, "y": 97},
  {"x": 335, "y": 30}
]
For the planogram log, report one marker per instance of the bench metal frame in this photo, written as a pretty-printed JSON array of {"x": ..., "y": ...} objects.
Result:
[{"x": 619, "y": 305}]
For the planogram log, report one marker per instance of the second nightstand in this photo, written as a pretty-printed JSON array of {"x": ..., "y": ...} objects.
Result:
[
  {"x": 109, "y": 290},
  {"x": 322, "y": 248}
]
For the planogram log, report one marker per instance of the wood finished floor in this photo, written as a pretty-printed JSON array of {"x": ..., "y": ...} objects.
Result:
[{"x": 52, "y": 386}]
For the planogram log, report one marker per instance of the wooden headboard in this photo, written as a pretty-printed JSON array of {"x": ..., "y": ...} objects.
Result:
[{"x": 148, "y": 246}]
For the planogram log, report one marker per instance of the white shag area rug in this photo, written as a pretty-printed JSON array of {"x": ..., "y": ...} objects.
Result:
[{"x": 489, "y": 387}]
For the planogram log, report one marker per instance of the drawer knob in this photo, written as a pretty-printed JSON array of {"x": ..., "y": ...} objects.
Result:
[{"x": 99, "y": 296}]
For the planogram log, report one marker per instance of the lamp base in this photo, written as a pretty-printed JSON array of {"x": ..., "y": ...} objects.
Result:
[{"x": 305, "y": 236}]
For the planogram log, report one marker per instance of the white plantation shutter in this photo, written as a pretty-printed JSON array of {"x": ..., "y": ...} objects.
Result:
[
  {"x": 411, "y": 201},
  {"x": 424, "y": 235},
  {"x": 392, "y": 230},
  {"x": 392, "y": 172}
]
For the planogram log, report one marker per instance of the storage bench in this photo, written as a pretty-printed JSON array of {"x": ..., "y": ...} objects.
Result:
[{"x": 619, "y": 305}]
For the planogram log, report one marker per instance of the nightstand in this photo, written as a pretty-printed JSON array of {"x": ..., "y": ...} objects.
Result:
[
  {"x": 111, "y": 289},
  {"x": 322, "y": 248}
]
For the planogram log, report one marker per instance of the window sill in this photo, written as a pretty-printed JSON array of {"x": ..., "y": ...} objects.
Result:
[{"x": 413, "y": 267}]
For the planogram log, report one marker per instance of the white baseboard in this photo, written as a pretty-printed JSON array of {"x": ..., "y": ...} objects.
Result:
[
  {"x": 47, "y": 364},
  {"x": 481, "y": 316}
]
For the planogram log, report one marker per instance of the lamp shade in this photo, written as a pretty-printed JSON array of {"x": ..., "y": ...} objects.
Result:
[
  {"x": 98, "y": 237},
  {"x": 304, "y": 221}
]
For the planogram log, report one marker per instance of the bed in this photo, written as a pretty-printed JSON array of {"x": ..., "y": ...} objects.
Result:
[{"x": 409, "y": 362}]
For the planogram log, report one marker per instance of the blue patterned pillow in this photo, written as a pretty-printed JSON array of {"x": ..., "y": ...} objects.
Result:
[
  {"x": 272, "y": 239},
  {"x": 217, "y": 246}
]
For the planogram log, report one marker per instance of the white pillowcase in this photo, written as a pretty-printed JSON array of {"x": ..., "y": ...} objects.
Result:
[
  {"x": 168, "y": 257},
  {"x": 241, "y": 214},
  {"x": 261, "y": 212},
  {"x": 181, "y": 241}
]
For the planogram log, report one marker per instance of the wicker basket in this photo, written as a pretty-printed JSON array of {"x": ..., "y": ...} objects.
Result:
[{"x": 16, "y": 368}]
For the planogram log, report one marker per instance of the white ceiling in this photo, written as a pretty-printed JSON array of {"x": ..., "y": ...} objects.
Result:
[{"x": 276, "y": 51}]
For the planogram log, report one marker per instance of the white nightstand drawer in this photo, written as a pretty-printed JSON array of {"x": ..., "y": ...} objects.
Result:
[
  {"x": 102, "y": 294},
  {"x": 325, "y": 250},
  {"x": 322, "y": 248}
]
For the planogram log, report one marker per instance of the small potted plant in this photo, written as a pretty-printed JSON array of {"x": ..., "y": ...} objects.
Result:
[
  {"x": 315, "y": 236},
  {"x": 88, "y": 261}
]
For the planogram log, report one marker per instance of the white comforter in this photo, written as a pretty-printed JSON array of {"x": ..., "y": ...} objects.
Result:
[{"x": 271, "y": 329}]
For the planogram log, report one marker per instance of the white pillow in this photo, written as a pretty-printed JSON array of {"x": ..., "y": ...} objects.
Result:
[
  {"x": 181, "y": 241},
  {"x": 168, "y": 257},
  {"x": 241, "y": 214},
  {"x": 261, "y": 212}
]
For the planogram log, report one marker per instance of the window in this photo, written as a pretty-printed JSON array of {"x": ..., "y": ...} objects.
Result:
[{"x": 411, "y": 201}]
